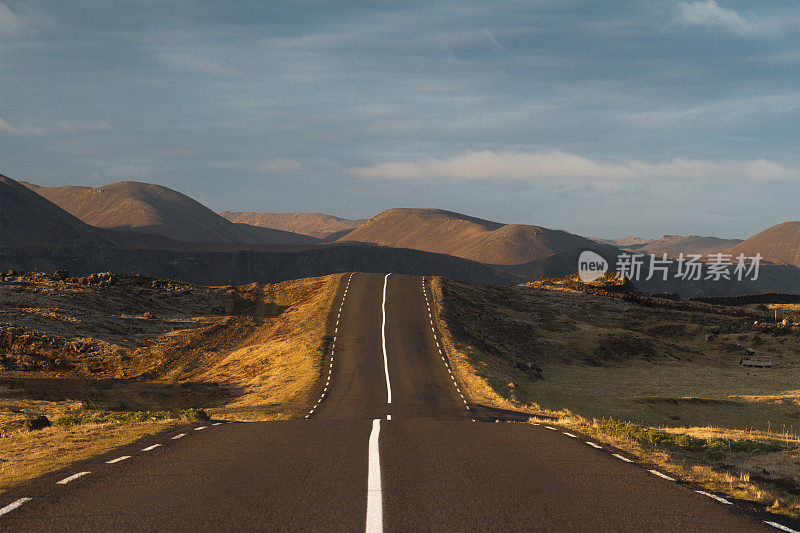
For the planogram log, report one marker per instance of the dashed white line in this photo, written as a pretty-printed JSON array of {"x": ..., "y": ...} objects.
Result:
[
  {"x": 13, "y": 505},
  {"x": 720, "y": 499},
  {"x": 662, "y": 476},
  {"x": 150, "y": 448},
  {"x": 73, "y": 477},
  {"x": 216, "y": 423},
  {"x": 551, "y": 427},
  {"x": 374, "y": 490},
  {"x": 388, "y": 417},
  {"x": 201, "y": 427},
  {"x": 570, "y": 435},
  {"x": 593, "y": 445},
  {"x": 179, "y": 436},
  {"x": 118, "y": 459},
  {"x": 621, "y": 457},
  {"x": 780, "y": 526}
]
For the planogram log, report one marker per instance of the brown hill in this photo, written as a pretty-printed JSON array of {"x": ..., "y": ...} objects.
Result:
[
  {"x": 779, "y": 244},
  {"x": 149, "y": 208},
  {"x": 317, "y": 225},
  {"x": 628, "y": 240},
  {"x": 445, "y": 232},
  {"x": 29, "y": 221},
  {"x": 674, "y": 245}
]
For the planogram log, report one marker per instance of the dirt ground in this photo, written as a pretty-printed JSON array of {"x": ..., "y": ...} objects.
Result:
[
  {"x": 108, "y": 344},
  {"x": 655, "y": 362}
]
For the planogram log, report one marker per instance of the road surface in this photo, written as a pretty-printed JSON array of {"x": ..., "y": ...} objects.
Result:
[{"x": 391, "y": 446}]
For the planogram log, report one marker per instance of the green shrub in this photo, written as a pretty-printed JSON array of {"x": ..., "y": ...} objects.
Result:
[
  {"x": 121, "y": 417},
  {"x": 714, "y": 447}
]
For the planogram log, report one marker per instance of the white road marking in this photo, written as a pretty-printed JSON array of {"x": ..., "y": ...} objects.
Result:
[
  {"x": 383, "y": 344},
  {"x": 593, "y": 445},
  {"x": 570, "y": 435},
  {"x": 621, "y": 458},
  {"x": 720, "y": 499},
  {"x": 374, "y": 490},
  {"x": 216, "y": 423},
  {"x": 388, "y": 417},
  {"x": 178, "y": 436},
  {"x": 662, "y": 476},
  {"x": 201, "y": 427},
  {"x": 73, "y": 477},
  {"x": 551, "y": 427},
  {"x": 149, "y": 448},
  {"x": 781, "y": 527},
  {"x": 118, "y": 459},
  {"x": 13, "y": 505}
]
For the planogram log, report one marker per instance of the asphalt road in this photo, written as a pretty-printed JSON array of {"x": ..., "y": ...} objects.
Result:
[{"x": 417, "y": 461}]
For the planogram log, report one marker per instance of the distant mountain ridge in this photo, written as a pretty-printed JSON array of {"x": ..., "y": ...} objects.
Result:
[
  {"x": 158, "y": 210},
  {"x": 779, "y": 243},
  {"x": 317, "y": 225},
  {"x": 446, "y": 232},
  {"x": 674, "y": 245}
]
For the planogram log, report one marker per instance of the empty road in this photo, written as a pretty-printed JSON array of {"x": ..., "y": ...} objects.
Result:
[{"x": 391, "y": 445}]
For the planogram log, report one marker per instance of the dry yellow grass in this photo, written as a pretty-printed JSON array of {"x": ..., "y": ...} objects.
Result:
[
  {"x": 584, "y": 357},
  {"x": 243, "y": 353}
]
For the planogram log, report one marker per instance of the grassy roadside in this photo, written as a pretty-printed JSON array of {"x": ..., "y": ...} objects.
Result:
[
  {"x": 692, "y": 411},
  {"x": 249, "y": 353}
]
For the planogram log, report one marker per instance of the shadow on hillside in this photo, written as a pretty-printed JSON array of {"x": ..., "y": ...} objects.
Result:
[{"x": 120, "y": 395}]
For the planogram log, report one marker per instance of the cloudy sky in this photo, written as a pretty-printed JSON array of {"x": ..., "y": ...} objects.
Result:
[{"x": 602, "y": 118}]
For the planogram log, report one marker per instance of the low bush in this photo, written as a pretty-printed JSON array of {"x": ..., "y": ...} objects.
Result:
[{"x": 121, "y": 417}]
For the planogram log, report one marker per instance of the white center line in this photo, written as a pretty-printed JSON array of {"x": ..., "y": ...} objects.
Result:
[
  {"x": 374, "y": 491},
  {"x": 781, "y": 527},
  {"x": 150, "y": 448},
  {"x": 663, "y": 476},
  {"x": 383, "y": 344},
  {"x": 13, "y": 505},
  {"x": 71, "y": 478},
  {"x": 178, "y": 436},
  {"x": 118, "y": 459},
  {"x": 720, "y": 499},
  {"x": 201, "y": 427}
]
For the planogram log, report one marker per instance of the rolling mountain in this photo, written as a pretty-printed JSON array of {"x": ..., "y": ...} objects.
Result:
[
  {"x": 779, "y": 244},
  {"x": 674, "y": 245},
  {"x": 30, "y": 221},
  {"x": 153, "y": 209},
  {"x": 628, "y": 240},
  {"x": 445, "y": 232},
  {"x": 317, "y": 225}
]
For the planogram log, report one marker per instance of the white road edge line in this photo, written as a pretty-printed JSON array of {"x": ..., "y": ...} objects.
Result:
[
  {"x": 374, "y": 492},
  {"x": 118, "y": 459},
  {"x": 383, "y": 344},
  {"x": 593, "y": 445},
  {"x": 73, "y": 477},
  {"x": 570, "y": 435},
  {"x": 151, "y": 448},
  {"x": 622, "y": 458},
  {"x": 662, "y": 476},
  {"x": 781, "y": 527},
  {"x": 551, "y": 427},
  {"x": 720, "y": 499},
  {"x": 179, "y": 436},
  {"x": 13, "y": 505},
  {"x": 201, "y": 427}
]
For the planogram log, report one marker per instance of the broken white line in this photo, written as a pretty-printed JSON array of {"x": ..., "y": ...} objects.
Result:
[
  {"x": 662, "y": 476},
  {"x": 374, "y": 491},
  {"x": 178, "y": 436},
  {"x": 13, "y": 505},
  {"x": 118, "y": 459},
  {"x": 150, "y": 448},
  {"x": 593, "y": 445},
  {"x": 720, "y": 499},
  {"x": 621, "y": 458},
  {"x": 781, "y": 527},
  {"x": 73, "y": 477}
]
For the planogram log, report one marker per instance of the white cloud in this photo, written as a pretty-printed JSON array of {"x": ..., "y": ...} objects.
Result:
[
  {"x": 192, "y": 62},
  {"x": 564, "y": 166},
  {"x": 709, "y": 13},
  {"x": 5, "y": 126},
  {"x": 11, "y": 25},
  {"x": 267, "y": 165}
]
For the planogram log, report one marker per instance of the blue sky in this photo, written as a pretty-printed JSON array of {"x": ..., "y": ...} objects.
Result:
[{"x": 602, "y": 118}]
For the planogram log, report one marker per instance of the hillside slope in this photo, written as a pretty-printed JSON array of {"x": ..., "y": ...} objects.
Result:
[
  {"x": 29, "y": 221},
  {"x": 445, "y": 232},
  {"x": 317, "y": 225},
  {"x": 674, "y": 245},
  {"x": 149, "y": 208},
  {"x": 779, "y": 243}
]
